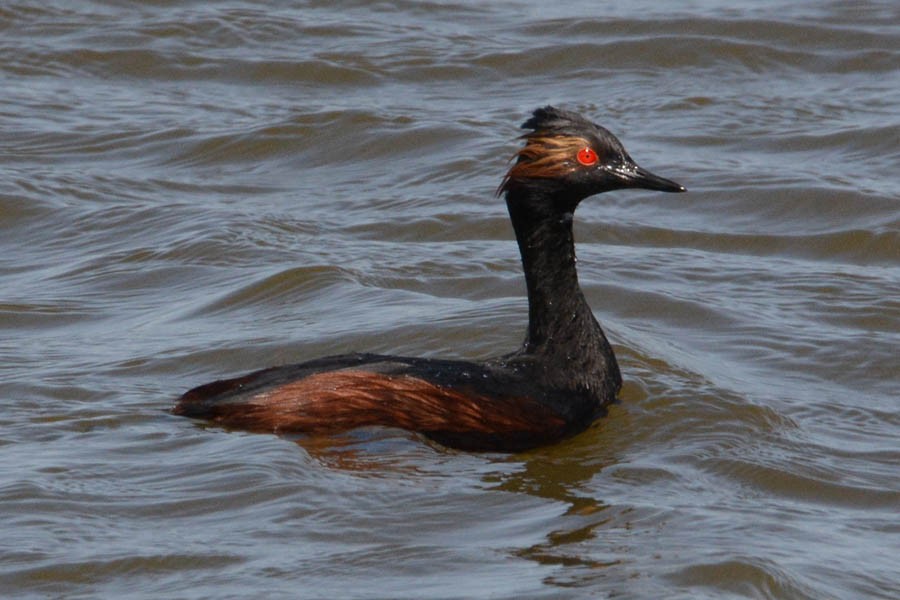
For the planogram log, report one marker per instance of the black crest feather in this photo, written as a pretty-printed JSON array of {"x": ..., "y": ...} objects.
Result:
[{"x": 552, "y": 120}]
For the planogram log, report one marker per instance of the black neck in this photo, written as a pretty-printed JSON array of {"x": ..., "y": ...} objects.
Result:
[{"x": 561, "y": 325}]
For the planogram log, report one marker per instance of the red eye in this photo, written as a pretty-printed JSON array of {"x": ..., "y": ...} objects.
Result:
[{"x": 587, "y": 156}]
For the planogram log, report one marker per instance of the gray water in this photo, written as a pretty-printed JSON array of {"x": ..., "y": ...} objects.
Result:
[{"x": 192, "y": 190}]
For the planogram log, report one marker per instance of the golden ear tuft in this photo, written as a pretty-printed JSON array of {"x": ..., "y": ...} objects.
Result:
[{"x": 545, "y": 157}]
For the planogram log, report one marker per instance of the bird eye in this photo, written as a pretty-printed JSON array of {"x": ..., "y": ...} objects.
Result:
[{"x": 587, "y": 156}]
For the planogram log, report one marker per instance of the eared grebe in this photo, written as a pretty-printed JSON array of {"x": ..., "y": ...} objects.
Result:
[{"x": 554, "y": 386}]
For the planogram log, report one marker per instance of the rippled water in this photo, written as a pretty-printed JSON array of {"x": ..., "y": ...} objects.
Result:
[{"x": 192, "y": 190}]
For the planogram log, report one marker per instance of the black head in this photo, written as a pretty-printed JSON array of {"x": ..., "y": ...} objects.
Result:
[{"x": 569, "y": 155}]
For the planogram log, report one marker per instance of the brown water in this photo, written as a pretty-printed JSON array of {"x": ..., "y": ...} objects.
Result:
[{"x": 192, "y": 190}]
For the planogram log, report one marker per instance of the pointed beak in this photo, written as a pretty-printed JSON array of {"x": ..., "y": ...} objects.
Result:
[{"x": 633, "y": 176}]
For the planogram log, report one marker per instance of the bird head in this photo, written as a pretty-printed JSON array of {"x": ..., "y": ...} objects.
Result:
[{"x": 568, "y": 155}]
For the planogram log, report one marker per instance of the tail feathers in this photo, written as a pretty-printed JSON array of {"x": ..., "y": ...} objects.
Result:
[{"x": 206, "y": 401}]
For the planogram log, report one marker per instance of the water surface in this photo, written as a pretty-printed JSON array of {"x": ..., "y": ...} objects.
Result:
[{"x": 193, "y": 190}]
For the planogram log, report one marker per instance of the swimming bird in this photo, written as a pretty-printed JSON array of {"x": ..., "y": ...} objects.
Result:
[{"x": 555, "y": 385}]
